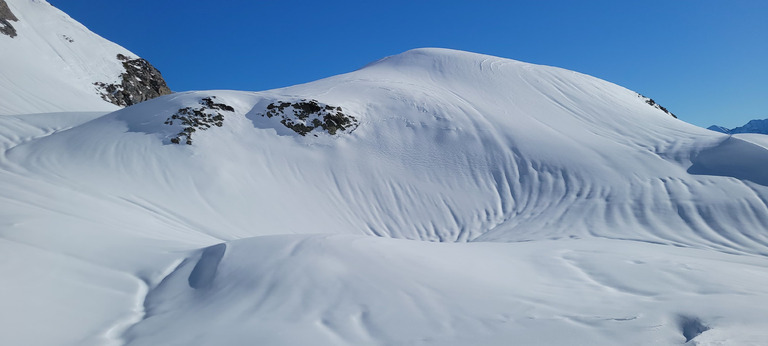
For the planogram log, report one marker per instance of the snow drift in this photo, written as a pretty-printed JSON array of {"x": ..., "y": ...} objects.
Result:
[
  {"x": 450, "y": 146},
  {"x": 576, "y": 213}
]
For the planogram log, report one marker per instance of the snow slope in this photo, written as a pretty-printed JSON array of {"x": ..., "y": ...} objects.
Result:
[
  {"x": 530, "y": 204},
  {"x": 53, "y": 62},
  {"x": 354, "y": 290}
]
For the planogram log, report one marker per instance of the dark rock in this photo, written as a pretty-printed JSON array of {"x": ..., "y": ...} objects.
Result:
[
  {"x": 208, "y": 102},
  {"x": 140, "y": 82},
  {"x": 199, "y": 118},
  {"x": 653, "y": 104},
  {"x": 305, "y": 116},
  {"x": 6, "y": 17}
]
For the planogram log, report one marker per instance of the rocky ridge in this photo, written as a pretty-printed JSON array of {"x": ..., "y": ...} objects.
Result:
[
  {"x": 653, "y": 104},
  {"x": 6, "y": 17},
  {"x": 753, "y": 126},
  {"x": 140, "y": 82}
]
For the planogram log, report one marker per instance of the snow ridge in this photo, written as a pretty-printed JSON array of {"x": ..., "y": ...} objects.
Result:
[
  {"x": 753, "y": 126},
  {"x": 475, "y": 199}
]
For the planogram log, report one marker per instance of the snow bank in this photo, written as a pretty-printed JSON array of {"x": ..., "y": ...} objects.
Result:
[
  {"x": 353, "y": 290},
  {"x": 578, "y": 213}
]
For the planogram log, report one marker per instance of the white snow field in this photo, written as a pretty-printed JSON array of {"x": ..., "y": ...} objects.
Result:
[
  {"x": 53, "y": 62},
  {"x": 476, "y": 201}
]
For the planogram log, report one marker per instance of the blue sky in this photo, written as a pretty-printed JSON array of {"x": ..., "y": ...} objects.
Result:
[{"x": 704, "y": 60}]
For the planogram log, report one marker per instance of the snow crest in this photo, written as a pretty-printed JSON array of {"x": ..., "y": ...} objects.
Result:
[{"x": 475, "y": 200}]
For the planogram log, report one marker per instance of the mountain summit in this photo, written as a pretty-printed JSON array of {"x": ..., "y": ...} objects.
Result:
[
  {"x": 753, "y": 126},
  {"x": 51, "y": 63},
  {"x": 434, "y": 197}
]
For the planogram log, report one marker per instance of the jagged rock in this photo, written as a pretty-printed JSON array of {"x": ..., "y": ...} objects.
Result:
[
  {"x": 200, "y": 118},
  {"x": 6, "y": 17},
  {"x": 140, "y": 82},
  {"x": 305, "y": 116},
  {"x": 653, "y": 103}
]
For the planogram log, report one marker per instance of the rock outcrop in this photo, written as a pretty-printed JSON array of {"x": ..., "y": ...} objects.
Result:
[
  {"x": 200, "y": 118},
  {"x": 6, "y": 17},
  {"x": 653, "y": 104},
  {"x": 140, "y": 82},
  {"x": 305, "y": 116}
]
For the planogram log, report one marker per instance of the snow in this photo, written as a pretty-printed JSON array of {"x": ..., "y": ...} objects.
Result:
[
  {"x": 335, "y": 289},
  {"x": 753, "y": 126},
  {"x": 480, "y": 200},
  {"x": 53, "y": 62}
]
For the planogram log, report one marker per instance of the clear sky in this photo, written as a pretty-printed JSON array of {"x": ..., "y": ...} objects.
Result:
[{"x": 705, "y": 60}]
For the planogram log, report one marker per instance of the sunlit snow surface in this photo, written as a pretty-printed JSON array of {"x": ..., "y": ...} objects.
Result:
[
  {"x": 530, "y": 205},
  {"x": 53, "y": 62}
]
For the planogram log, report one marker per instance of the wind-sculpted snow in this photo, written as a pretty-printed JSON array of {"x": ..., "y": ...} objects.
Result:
[
  {"x": 734, "y": 158},
  {"x": 205, "y": 270},
  {"x": 563, "y": 184},
  {"x": 353, "y": 290},
  {"x": 450, "y": 147}
]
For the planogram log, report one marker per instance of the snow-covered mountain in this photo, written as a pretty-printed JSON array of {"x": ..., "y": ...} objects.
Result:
[
  {"x": 435, "y": 197},
  {"x": 753, "y": 126},
  {"x": 51, "y": 63}
]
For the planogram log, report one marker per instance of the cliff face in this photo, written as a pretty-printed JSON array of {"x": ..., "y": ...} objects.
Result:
[
  {"x": 140, "y": 82},
  {"x": 6, "y": 17}
]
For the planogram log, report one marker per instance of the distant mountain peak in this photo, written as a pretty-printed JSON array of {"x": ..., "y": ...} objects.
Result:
[
  {"x": 718, "y": 128},
  {"x": 753, "y": 126}
]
